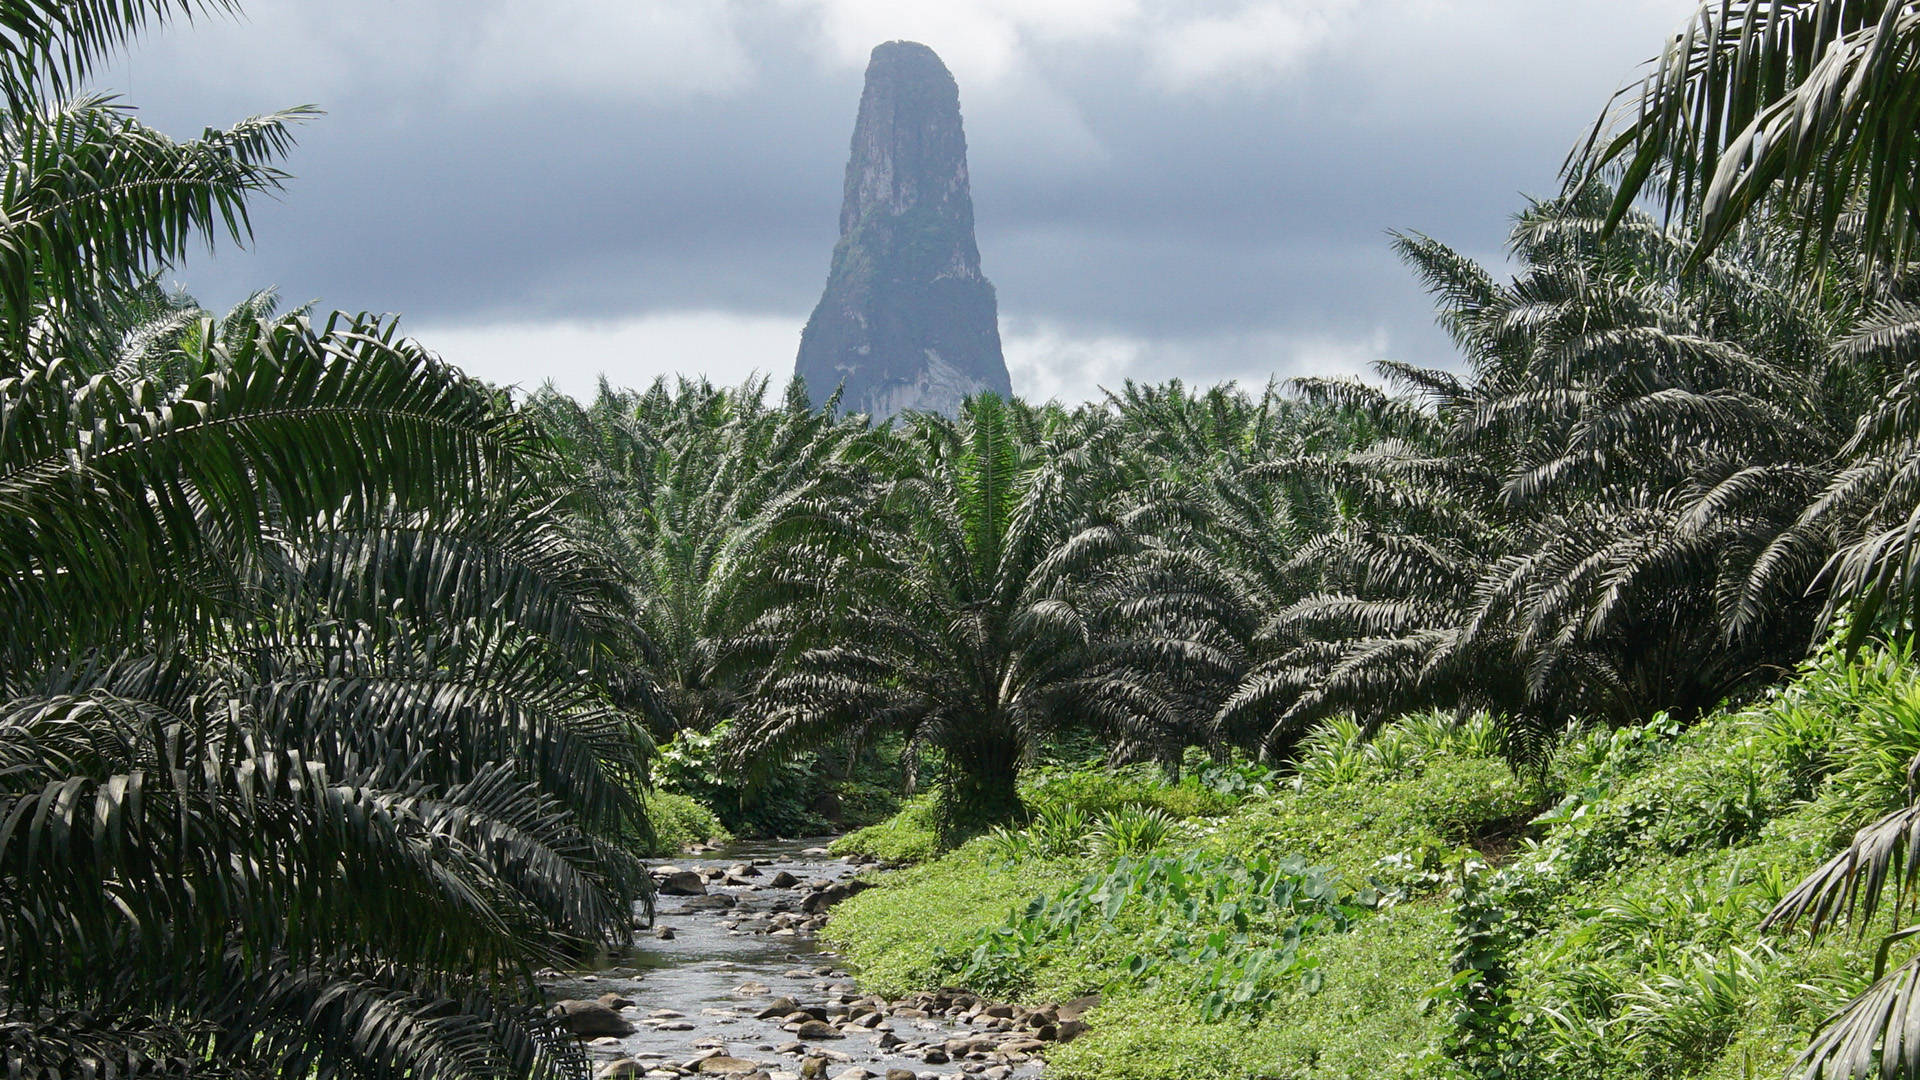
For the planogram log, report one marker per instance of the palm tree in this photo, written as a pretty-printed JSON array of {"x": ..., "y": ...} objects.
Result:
[
  {"x": 958, "y": 586},
  {"x": 1758, "y": 101},
  {"x": 1602, "y": 517},
  {"x": 283, "y": 610},
  {"x": 678, "y": 486},
  {"x": 317, "y": 733}
]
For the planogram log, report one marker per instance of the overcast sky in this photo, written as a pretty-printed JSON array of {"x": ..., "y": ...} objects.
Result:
[{"x": 1163, "y": 187}]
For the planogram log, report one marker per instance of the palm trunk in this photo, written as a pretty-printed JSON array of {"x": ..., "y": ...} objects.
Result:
[{"x": 983, "y": 770}]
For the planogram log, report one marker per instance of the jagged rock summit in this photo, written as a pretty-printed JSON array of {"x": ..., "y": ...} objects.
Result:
[{"x": 907, "y": 321}]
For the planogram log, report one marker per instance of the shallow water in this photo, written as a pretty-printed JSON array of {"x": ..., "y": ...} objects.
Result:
[{"x": 719, "y": 973}]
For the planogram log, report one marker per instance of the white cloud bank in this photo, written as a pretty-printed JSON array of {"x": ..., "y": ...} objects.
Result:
[{"x": 1046, "y": 360}]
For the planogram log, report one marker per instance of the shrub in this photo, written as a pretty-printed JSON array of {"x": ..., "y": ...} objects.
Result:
[
  {"x": 1132, "y": 832},
  {"x": 679, "y": 822}
]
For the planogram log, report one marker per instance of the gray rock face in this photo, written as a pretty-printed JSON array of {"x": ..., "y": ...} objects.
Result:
[{"x": 907, "y": 321}]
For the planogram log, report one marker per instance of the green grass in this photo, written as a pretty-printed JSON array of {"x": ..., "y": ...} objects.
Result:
[
  {"x": 912, "y": 835},
  {"x": 902, "y": 937},
  {"x": 1635, "y": 868}
]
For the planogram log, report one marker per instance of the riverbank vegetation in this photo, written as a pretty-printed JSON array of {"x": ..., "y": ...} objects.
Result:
[{"x": 1549, "y": 713}]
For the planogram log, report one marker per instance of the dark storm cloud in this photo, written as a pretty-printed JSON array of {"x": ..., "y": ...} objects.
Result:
[{"x": 1156, "y": 178}]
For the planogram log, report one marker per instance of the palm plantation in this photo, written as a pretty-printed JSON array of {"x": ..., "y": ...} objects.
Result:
[{"x": 1466, "y": 721}]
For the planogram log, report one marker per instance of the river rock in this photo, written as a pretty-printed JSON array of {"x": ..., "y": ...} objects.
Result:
[
  {"x": 783, "y": 880},
  {"x": 817, "y": 1029},
  {"x": 665, "y": 933},
  {"x": 622, "y": 1069},
  {"x": 778, "y": 1007},
  {"x": 615, "y": 1001},
  {"x": 1077, "y": 1008},
  {"x": 725, "y": 1065},
  {"x": 712, "y": 902},
  {"x": 591, "y": 1019},
  {"x": 819, "y": 901},
  {"x": 902, "y": 1074},
  {"x": 682, "y": 883}
]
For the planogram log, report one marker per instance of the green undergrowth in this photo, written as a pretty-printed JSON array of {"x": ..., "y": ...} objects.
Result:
[
  {"x": 1208, "y": 790},
  {"x": 1409, "y": 905},
  {"x": 679, "y": 822}
]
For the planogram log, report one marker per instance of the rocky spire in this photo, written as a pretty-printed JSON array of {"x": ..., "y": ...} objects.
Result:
[{"x": 907, "y": 320}]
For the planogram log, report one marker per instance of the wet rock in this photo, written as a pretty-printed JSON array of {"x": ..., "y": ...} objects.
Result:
[
  {"x": 783, "y": 880},
  {"x": 725, "y": 1065},
  {"x": 817, "y": 1029},
  {"x": 902, "y": 1074},
  {"x": 743, "y": 870},
  {"x": 591, "y": 1019},
  {"x": 753, "y": 989},
  {"x": 615, "y": 1001},
  {"x": 621, "y": 1069},
  {"x": 855, "y": 1073},
  {"x": 682, "y": 883},
  {"x": 665, "y": 933},
  {"x": 710, "y": 902},
  {"x": 778, "y": 1007},
  {"x": 935, "y": 1056},
  {"x": 665, "y": 1014}
]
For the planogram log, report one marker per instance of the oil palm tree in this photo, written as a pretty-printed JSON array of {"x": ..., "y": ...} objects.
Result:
[
  {"x": 951, "y": 587},
  {"x": 678, "y": 486},
  {"x": 1756, "y": 102},
  {"x": 1603, "y": 516},
  {"x": 299, "y": 772}
]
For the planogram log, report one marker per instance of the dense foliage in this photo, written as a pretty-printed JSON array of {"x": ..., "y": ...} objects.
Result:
[
  {"x": 317, "y": 733},
  {"x": 1430, "y": 725}
]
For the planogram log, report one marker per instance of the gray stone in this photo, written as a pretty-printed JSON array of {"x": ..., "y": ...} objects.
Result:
[
  {"x": 817, "y": 1029},
  {"x": 591, "y": 1020},
  {"x": 681, "y": 883}
]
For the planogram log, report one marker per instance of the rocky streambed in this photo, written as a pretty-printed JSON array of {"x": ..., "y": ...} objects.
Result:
[{"x": 729, "y": 982}]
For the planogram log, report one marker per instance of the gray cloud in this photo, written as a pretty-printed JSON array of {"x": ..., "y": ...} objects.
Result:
[{"x": 1205, "y": 188}]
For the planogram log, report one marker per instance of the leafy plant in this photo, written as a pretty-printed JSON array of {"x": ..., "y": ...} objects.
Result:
[
  {"x": 1226, "y": 930},
  {"x": 1132, "y": 832}
]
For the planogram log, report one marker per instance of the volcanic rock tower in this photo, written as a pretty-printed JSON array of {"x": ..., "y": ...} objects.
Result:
[{"x": 907, "y": 321}]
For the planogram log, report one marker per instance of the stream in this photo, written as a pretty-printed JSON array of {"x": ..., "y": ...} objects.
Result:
[{"x": 718, "y": 986}]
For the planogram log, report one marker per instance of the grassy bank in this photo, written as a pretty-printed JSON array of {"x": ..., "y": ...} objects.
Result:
[{"x": 1411, "y": 905}]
